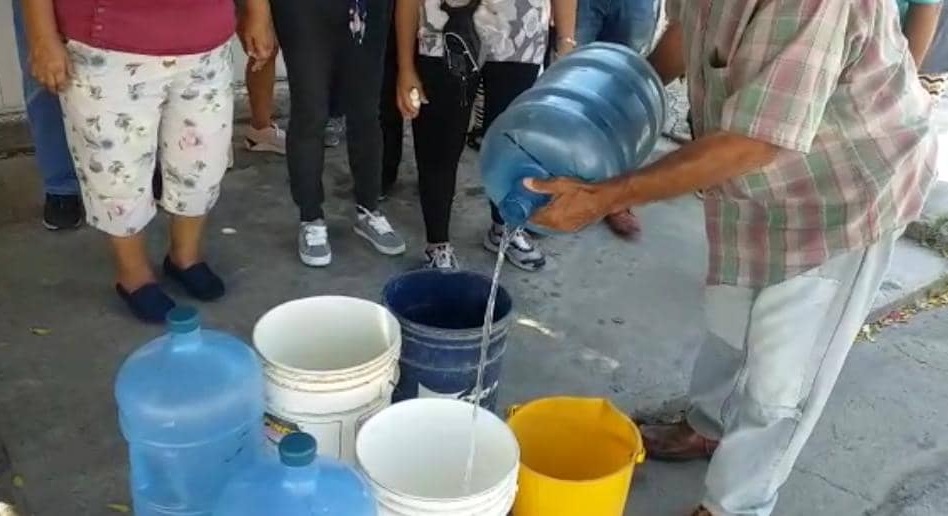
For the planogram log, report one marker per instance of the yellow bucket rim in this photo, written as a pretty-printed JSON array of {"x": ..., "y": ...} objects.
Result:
[{"x": 637, "y": 458}]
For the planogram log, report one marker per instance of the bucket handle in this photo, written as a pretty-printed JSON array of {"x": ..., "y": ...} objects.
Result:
[
  {"x": 513, "y": 409},
  {"x": 639, "y": 456}
]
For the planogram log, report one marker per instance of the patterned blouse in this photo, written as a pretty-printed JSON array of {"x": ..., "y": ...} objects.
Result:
[{"x": 510, "y": 30}]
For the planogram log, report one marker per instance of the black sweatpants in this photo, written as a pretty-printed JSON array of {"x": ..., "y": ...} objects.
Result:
[
  {"x": 320, "y": 52},
  {"x": 441, "y": 128}
]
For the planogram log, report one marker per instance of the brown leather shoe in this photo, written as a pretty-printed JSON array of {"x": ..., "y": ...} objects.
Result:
[
  {"x": 676, "y": 443},
  {"x": 701, "y": 511},
  {"x": 624, "y": 224}
]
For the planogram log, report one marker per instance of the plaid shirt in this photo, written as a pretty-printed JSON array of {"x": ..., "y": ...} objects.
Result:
[{"x": 831, "y": 83}]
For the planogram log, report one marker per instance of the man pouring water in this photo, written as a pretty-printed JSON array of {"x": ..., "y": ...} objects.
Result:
[{"x": 814, "y": 151}]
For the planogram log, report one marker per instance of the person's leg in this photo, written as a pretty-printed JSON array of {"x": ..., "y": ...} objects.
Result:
[
  {"x": 390, "y": 118},
  {"x": 475, "y": 136},
  {"x": 631, "y": 23},
  {"x": 114, "y": 144},
  {"x": 765, "y": 375},
  {"x": 336, "y": 126},
  {"x": 263, "y": 135},
  {"x": 503, "y": 82},
  {"x": 63, "y": 207},
  {"x": 590, "y": 17},
  {"x": 439, "y": 132},
  {"x": 360, "y": 67},
  {"x": 196, "y": 129},
  {"x": 303, "y": 29}
]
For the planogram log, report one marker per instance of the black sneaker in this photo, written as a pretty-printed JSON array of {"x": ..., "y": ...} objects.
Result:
[{"x": 62, "y": 212}]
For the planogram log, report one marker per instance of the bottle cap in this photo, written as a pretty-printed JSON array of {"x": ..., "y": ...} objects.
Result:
[
  {"x": 183, "y": 319},
  {"x": 297, "y": 449}
]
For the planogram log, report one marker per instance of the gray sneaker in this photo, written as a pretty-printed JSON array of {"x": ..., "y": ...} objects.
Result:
[
  {"x": 375, "y": 228},
  {"x": 313, "y": 244},
  {"x": 522, "y": 252},
  {"x": 441, "y": 256}
]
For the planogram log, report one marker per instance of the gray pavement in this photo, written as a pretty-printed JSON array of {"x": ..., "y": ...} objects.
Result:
[{"x": 609, "y": 318}]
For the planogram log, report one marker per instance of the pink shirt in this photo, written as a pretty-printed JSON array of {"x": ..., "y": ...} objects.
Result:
[{"x": 149, "y": 27}]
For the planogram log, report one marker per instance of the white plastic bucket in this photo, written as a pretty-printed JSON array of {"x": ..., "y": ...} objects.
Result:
[
  {"x": 330, "y": 363},
  {"x": 415, "y": 455}
]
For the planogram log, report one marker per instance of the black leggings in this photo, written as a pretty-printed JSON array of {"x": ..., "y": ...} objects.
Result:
[
  {"x": 393, "y": 125},
  {"x": 320, "y": 54},
  {"x": 441, "y": 128}
]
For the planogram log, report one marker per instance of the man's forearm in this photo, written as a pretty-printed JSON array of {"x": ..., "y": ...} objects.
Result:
[
  {"x": 921, "y": 23},
  {"x": 39, "y": 17},
  {"x": 668, "y": 58},
  {"x": 406, "y": 31},
  {"x": 708, "y": 161}
]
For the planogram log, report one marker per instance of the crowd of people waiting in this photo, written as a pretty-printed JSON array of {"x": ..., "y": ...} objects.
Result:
[{"x": 131, "y": 108}]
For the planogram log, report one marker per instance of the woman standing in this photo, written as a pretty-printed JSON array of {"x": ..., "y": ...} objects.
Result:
[
  {"x": 513, "y": 41},
  {"x": 139, "y": 82},
  {"x": 925, "y": 26},
  {"x": 327, "y": 43}
]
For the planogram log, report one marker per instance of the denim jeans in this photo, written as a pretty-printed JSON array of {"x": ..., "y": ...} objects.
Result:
[
  {"x": 46, "y": 123},
  {"x": 764, "y": 375},
  {"x": 627, "y": 22}
]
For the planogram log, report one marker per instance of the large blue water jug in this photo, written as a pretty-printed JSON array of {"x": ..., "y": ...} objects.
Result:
[
  {"x": 297, "y": 484},
  {"x": 191, "y": 408},
  {"x": 595, "y": 114}
]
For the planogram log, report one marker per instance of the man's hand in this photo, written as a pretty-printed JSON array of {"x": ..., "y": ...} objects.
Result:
[
  {"x": 256, "y": 33},
  {"x": 410, "y": 95},
  {"x": 575, "y": 204},
  {"x": 50, "y": 63}
]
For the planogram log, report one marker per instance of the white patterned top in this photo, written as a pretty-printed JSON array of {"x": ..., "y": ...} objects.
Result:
[{"x": 510, "y": 30}]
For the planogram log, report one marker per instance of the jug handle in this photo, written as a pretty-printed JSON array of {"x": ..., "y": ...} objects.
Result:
[{"x": 639, "y": 457}]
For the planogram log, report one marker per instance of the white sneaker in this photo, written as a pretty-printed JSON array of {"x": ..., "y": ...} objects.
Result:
[
  {"x": 441, "y": 256},
  {"x": 268, "y": 139}
]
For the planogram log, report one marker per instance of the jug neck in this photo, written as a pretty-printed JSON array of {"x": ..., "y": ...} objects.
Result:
[
  {"x": 301, "y": 475},
  {"x": 521, "y": 203},
  {"x": 186, "y": 341},
  {"x": 184, "y": 328}
]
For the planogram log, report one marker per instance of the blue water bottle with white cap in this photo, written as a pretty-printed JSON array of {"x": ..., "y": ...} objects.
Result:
[
  {"x": 596, "y": 113},
  {"x": 298, "y": 483},
  {"x": 191, "y": 408}
]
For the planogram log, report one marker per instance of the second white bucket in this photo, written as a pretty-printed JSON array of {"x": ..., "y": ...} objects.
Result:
[
  {"x": 330, "y": 362},
  {"x": 415, "y": 455}
]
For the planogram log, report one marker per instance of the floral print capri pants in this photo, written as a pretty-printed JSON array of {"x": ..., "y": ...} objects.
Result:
[{"x": 125, "y": 111}]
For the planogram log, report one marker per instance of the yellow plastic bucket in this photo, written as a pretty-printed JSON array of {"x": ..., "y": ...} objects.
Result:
[{"x": 577, "y": 457}]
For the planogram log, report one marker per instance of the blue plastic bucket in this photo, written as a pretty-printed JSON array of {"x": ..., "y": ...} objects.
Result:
[{"x": 442, "y": 315}]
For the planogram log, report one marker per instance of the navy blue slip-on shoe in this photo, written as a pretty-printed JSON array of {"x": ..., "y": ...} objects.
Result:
[
  {"x": 198, "y": 280},
  {"x": 149, "y": 303}
]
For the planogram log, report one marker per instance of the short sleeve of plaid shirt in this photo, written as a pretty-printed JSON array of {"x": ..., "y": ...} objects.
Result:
[{"x": 784, "y": 71}]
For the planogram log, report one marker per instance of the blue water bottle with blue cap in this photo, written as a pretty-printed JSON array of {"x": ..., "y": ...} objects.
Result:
[
  {"x": 595, "y": 114},
  {"x": 298, "y": 483},
  {"x": 191, "y": 408}
]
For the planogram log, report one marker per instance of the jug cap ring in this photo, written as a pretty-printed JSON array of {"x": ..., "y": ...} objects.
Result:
[
  {"x": 297, "y": 449},
  {"x": 183, "y": 319}
]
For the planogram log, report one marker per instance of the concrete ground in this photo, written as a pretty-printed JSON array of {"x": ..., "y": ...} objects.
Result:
[{"x": 608, "y": 318}]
